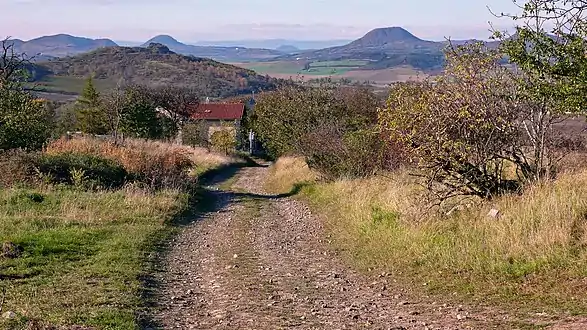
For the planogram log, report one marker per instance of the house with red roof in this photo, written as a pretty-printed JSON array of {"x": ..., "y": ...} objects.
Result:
[
  {"x": 212, "y": 117},
  {"x": 218, "y": 111}
]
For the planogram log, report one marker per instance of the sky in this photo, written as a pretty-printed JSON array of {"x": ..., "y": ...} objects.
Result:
[{"x": 199, "y": 20}]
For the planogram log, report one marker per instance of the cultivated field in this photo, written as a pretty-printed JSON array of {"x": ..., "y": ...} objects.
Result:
[
  {"x": 348, "y": 69},
  {"x": 58, "y": 88}
]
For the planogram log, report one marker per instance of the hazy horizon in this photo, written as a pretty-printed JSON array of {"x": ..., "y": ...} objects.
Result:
[{"x": 192, "y": 21}]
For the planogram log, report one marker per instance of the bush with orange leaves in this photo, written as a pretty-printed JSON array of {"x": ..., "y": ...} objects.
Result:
[{"x": 155, "y": 164}]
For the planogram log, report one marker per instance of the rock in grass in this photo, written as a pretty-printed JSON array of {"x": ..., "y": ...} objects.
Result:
[
  {"x": 494, "y": 213},
  {"x": 9, "y": 315}
]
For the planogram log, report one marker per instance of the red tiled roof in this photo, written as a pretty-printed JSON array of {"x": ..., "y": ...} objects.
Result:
[{"x": 218, "y": 111}]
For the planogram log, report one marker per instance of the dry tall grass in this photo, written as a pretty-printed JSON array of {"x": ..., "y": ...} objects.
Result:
[
  {"x": 287, "y": 172},
  {"x": 158, "y": 162},
  {"x": 539, "y": 238}
]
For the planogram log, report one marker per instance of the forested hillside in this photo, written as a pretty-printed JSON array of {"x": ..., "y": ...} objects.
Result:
[{"x": 157, "y": 65}]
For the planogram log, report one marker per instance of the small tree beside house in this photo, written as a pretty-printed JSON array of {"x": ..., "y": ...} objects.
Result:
[{"x": 223, "y": 139}]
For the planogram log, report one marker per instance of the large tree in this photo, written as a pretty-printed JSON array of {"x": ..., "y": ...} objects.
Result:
[
  {"x": 139, "y": 117},
  {"x": 549, "y": 50},
  {"x": 145, "y": 111},
  {"x": 113, "y": 104},
  {"x": 470, "y": 129}
]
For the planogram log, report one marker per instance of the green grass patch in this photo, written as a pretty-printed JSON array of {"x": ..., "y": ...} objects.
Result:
[
  {"x": 326, "y": 71},
  {"x": 283, "y": 67},
  {"x": 341, "y": 63},
  {"x": 82, "y": 253},
  {"x": 69, "y": 85}
]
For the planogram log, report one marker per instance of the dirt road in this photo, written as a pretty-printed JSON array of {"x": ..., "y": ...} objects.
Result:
[{"x": 264, "y": 262}]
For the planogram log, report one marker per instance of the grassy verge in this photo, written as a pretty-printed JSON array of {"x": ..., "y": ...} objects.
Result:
[
  {"x": 83, "y": 253},
  {"x": 74, "y": 256},
  {"x": 533, "y": 256}
]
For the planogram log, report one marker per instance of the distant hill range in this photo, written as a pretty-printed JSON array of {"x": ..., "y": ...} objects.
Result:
[
  {"x": 59, "y": 45},
  {"x": 383, "y": 48},
  {"x": 226, "y": 54},
  {"x": 276, "y": 43},
  {"x": 172, "y": 60},
  {"x": 155, "y": 65},
  {"x": 288, "y": 49}
]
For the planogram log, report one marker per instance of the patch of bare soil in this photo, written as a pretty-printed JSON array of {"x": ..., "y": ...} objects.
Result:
[{"x": 264, "y": 262}]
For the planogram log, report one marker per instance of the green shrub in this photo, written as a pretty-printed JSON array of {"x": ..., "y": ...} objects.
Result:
[
  {"x": 224, "y": 140},
  {"x": 357, "y": 153},
  {"x": 467, "y": 126},
  {"x": 24, "y": 121},
  {"x": 81, "y": 169},
  {"x": 334, "y": 128}
]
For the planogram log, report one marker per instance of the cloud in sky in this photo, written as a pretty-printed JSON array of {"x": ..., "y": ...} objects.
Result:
[{"x": 192, "y": 20}]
